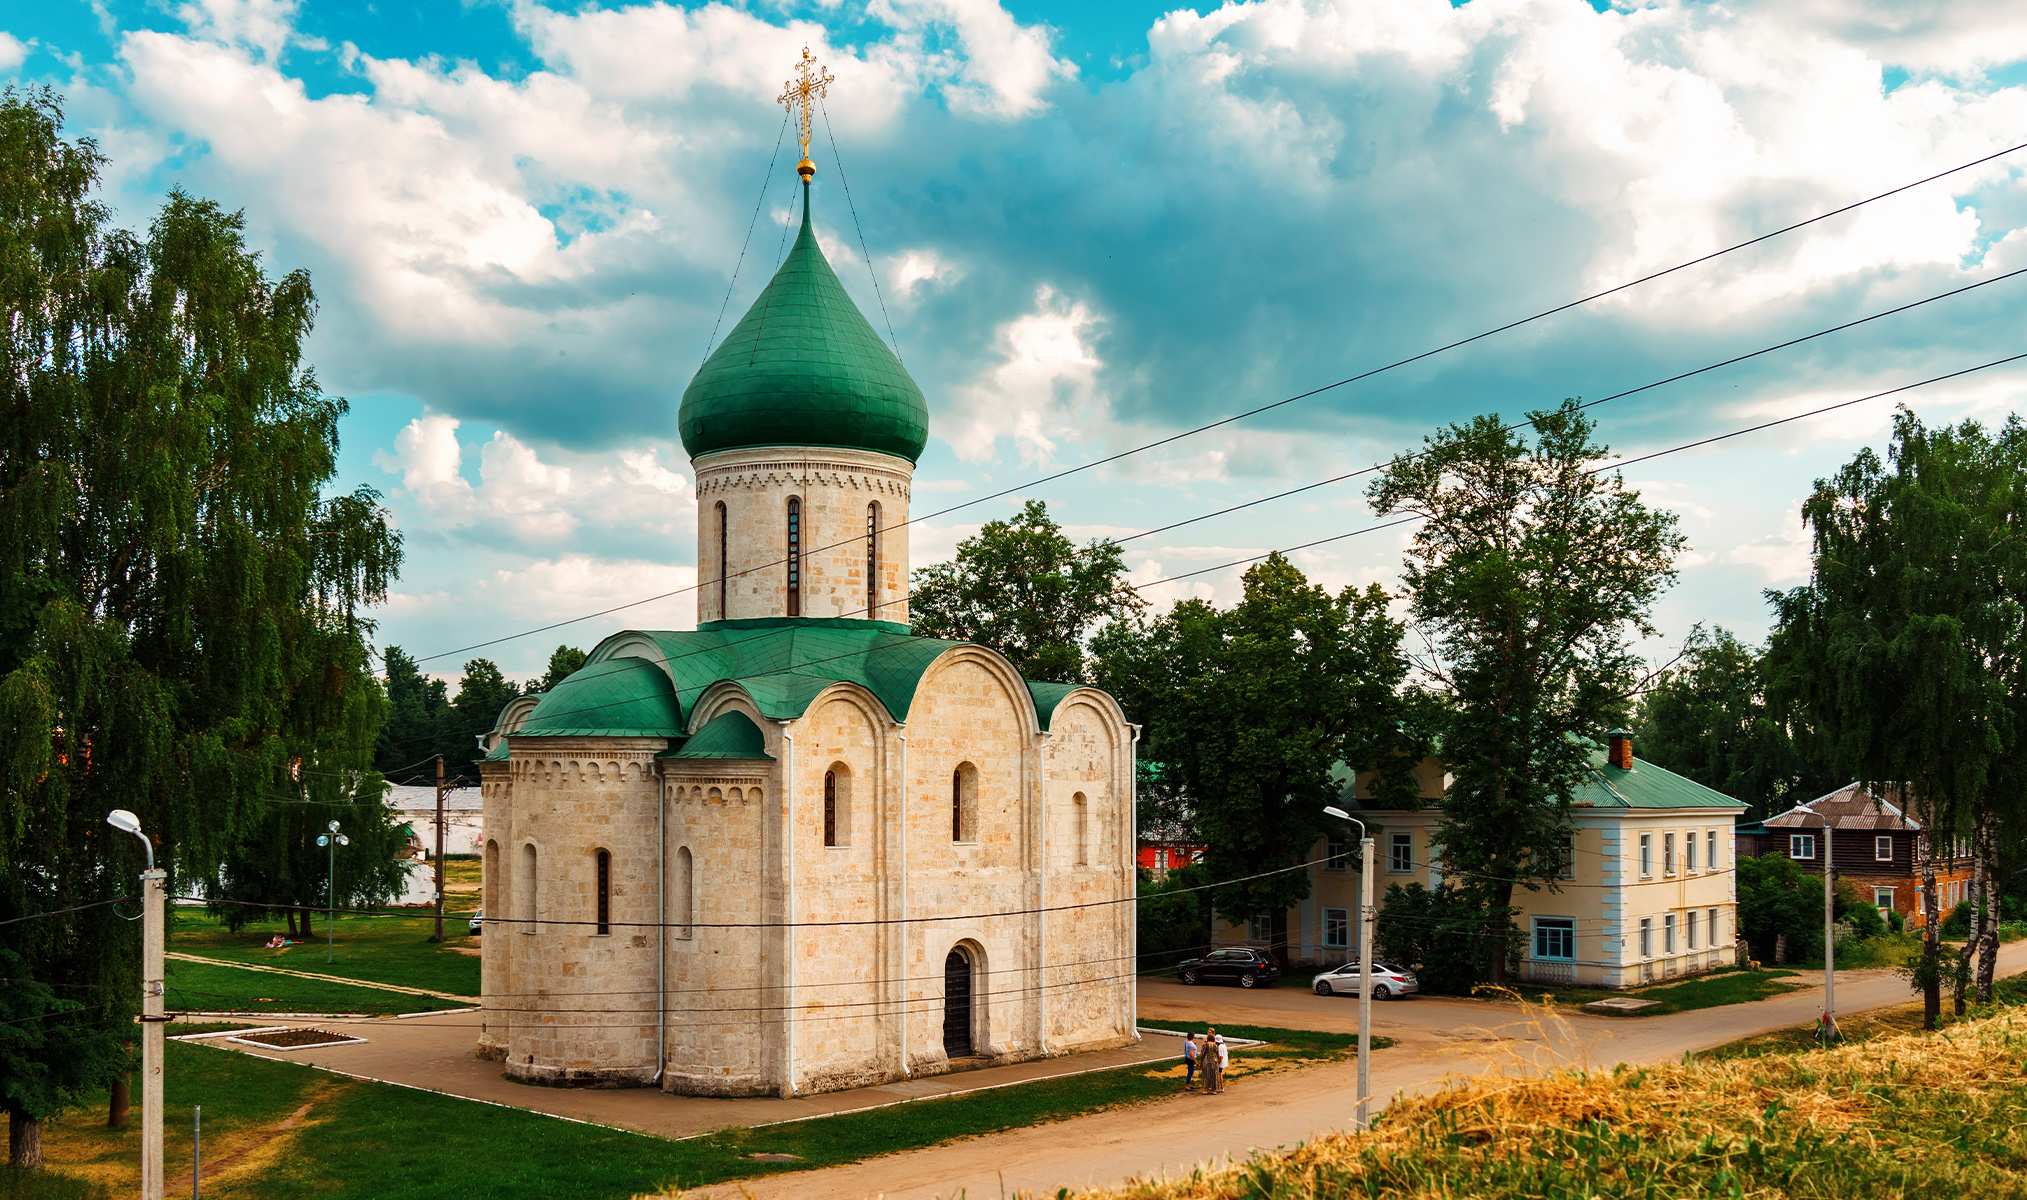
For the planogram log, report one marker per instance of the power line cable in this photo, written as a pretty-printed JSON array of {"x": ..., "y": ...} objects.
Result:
[{"x": 1067, "y": 472}]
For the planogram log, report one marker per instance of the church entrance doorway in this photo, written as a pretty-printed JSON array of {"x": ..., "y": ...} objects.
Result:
[{"x": 957, "y": 1004}]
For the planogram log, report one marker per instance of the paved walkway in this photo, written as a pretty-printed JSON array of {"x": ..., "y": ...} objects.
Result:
[
  {"x": 378, "y": 987},
  {"x": 435, "y": 1054}
]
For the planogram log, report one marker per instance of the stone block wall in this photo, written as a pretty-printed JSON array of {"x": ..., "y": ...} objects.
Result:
[{"x": 835, "y": 487}]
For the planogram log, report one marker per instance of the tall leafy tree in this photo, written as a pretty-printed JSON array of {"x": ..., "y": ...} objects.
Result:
[
  {"x": 1026, "y": 590},
  {"x": 1251, "y": 710},
  {"x": 564, "y": 663},
  {"x": 481, "y": 694},
  {"x": 416, "y": 705},
  {"x": 1531, "y": 569},
  {"x": 179, "y": 628},
  {"x": 1707, "y": 718},
  {"x": 1904, "y": 645}
]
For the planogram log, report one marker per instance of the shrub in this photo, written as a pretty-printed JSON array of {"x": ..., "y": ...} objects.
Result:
[
  {"x": 1958, "y": 923},
  {"x": 1441, "y": 935},
  {"x": 1777, "y": 897}
]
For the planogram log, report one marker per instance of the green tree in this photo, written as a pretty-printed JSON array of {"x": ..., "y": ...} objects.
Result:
[
  {"x": 1899, "y": 649},
  {"x": 1707, "y": 718},
  {"x": 416, "y": 706},
  {"x": 1529, "y": 571},
  {"x": 1250, "y": 710},
  {"x": 1026, "y": 590},
  {"x": 481, "y": 694},
  {"x": 1439, "y": 933},
  {"x": 564, "y": 663},
  {"x": 1174, "y": 917},
  {"x": 1778, "y": 899},
  {"x": 178, "y": 593}
]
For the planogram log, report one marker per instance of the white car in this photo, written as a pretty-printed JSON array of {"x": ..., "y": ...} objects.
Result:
[{"x": 1387, "y": 981}]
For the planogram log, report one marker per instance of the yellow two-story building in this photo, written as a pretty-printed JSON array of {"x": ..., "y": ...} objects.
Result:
[{"x": 1649, "y": 890}]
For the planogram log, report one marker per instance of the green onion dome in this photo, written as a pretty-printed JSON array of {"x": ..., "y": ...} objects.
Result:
[{"x": 804, "y": 368}]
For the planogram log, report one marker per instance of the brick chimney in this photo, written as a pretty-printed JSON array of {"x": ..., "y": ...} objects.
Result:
[{"x": 1619, "y": 749}]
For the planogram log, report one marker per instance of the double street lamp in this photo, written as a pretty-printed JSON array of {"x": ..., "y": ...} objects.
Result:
[
  {"x": 331, "y": 841},
  {"x": 1365, "y": 952}
]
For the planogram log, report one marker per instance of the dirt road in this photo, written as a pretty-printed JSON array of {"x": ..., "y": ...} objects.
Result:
[{"x": 1436, "y": 1037}]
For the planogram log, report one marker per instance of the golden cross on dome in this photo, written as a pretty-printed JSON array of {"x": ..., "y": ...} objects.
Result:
[{"x": 811, "y": 83}]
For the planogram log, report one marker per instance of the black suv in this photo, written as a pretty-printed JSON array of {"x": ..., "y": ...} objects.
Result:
[{"x": 1249, "y": 968}]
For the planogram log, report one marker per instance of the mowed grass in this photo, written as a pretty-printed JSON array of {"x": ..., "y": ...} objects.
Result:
[
  {"x": 392, "y": 948},
  {"x": 205, "y": 987},
  {"x": 370, "y": 1141}
]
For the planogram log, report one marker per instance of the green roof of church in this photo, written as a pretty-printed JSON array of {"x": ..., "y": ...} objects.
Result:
[
  {"x": 804, "y": 368},
  {"x": 621, "y": 697},
  {"x": 727, "y": 735},
  {"x": 782, "y": 663}
]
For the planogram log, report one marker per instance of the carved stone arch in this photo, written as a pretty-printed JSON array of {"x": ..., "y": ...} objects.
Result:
[{"x": 728, "y": 695}]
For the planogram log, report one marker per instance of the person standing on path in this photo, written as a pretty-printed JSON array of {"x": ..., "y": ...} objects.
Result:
[
  {"x": 1223, "y": 1059},
  {"x": 1189, "y": 1062},
  {"x": 1210, "y": 1059}
]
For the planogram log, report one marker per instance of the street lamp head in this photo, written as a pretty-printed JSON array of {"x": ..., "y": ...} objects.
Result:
[
  {"x": 1331, "y": 810},
  {"x": 333, "y": 827},
  {"x": 127, "y": 822},
  {"x": 343, "y": 840},
  {"x": 323, "y": 840}
]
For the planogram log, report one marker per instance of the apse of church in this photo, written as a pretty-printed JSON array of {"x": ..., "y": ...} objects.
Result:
[{"x": 798, "y": 848}]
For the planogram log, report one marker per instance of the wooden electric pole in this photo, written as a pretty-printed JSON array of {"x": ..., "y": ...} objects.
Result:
[{"x": 439, "y": 849}]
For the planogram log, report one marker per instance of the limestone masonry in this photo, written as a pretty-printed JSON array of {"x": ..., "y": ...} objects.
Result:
[{"x": 798, "y": 848}]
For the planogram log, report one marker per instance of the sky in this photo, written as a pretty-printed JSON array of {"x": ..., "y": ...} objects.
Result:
[{"x": 1090, "y": 226}]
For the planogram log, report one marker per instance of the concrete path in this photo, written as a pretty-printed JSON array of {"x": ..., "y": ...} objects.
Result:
[
  {"x": 378, "y": 987},
  {"x": 1437, "y": 1038},
  {"x": 436, "y": 1054}
]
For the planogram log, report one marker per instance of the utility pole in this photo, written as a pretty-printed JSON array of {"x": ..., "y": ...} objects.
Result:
[
  {"x": 1829, "y": 935},
  {"x": 1367, "y": 921},
  {"x": 154, "y": 896},
  {"x": 439, "y": 850}
]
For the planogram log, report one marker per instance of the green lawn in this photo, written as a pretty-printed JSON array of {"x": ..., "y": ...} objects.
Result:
[
  {"x": 203, "y": 987},
  {"x": 369, "y": 1141},
  {"x": 1714, "y": 989},
  {"x": 380, "y": 949},
  {"x": 2010, "y": 992}
]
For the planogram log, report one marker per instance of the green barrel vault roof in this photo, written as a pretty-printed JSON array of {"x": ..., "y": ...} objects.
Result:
[
  {"x": 727, "y": 735},
  {"x": 621, "y": 697},
  {"x": 804, "y": 368},
  {"x": 782, "y": 663}
]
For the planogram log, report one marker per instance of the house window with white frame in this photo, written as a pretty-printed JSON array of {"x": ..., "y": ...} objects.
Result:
[
  {"x": 1555, "y": 937},
  {"x": 1646, "y": 854},
  {"x": 1646, "y": 937},
  {"x": 1715, "y": 938},
  {"x": 1801, "y": 845},
  {"x": 1161, "y": 860},
  {"x": 1882, "y": 848},
  {"x": 1335, "y": 857},
  {"x": 1336, "y": 929},
  {"x": 1668, "y": 854},
  {"x": 1882, "y": 899},
  {"x": 1710, "y": 845},
  {"x": 1401, "y": 854},
  {"x": 1668, "y": 934},
  {"x": 1691, "y": 928},
  {"x": 1689, "y": 851}
]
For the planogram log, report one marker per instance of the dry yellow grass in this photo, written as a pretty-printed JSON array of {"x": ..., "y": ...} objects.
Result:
[{"x": 1929, "y": 1115}]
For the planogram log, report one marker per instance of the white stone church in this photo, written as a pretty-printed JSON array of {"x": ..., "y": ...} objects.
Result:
[{"x": 800, "y": 849}]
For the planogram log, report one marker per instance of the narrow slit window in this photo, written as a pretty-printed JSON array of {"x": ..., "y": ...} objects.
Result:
[
  {"x": 830, "y": 808},
  {"x": 604, "y": 891},
  {"x": 724, "y": 568},
  {"x": 794, "y": 557},
  {"x": 1083, "y": 809},
  {"x": 964, "y": 803},
  {"x": 872, "y": 561},
  {"x": 957, "y": 805}
]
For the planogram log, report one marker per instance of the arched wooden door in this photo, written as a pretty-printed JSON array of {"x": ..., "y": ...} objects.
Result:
[{"x": 957, "y": 1004}]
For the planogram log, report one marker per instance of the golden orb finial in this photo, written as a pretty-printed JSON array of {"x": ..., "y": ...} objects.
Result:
[{"x": 799, "y": 95}]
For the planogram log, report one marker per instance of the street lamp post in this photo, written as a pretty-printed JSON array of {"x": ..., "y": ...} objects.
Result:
[
  {"x": 332, "y": 841},
  {"x": 154, "y": 894},
  {"x": 1367, "y": 924}
]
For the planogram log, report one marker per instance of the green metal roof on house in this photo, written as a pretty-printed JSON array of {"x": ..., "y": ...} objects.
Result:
[
  {"x": 497, "y": 753},
  {"x": 804, "y": 368},
  {"x": 727, "y": 735},
  {"x": 1645, "y": 786},
  {"x": 620, "y": 697}
]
